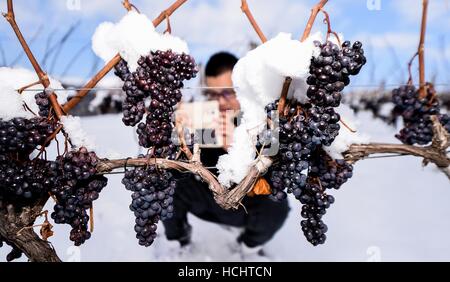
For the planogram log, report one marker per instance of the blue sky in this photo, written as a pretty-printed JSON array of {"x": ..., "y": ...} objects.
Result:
[{"x": 390, "y": 33}]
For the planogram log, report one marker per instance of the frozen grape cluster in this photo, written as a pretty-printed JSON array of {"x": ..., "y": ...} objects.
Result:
[
  {"x": 416, "y": 112},
  {"x": 152, "y": 199},
  {"x": 303, "y": 168},
  {"x": 22, "y": 136},
  {"x": 159, "y": 78},
  {"x": 43, "y": 103},
  {"x": 76, "y": 187}
]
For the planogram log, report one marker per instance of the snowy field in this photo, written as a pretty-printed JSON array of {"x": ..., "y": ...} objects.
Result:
[{"x": 391, "y": 210}]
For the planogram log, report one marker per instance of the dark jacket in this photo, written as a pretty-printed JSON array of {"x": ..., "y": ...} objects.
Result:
[{"x": 261, "y": 218}]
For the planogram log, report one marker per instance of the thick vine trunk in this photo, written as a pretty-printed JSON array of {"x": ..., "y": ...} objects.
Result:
[{"x": 16, "y": 229}]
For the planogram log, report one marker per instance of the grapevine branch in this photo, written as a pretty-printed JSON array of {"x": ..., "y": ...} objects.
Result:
[
  {"x": 168, "y": 12},
  {"x": 127, "y": 5},
  {"x": 43, "y": 78},
  {"x": 287, "y": 82},
  {"x": 224, "y": 197},
  {"x": 194, "y": 167},
  {"x": 91, "y": 83},
  {"x": 10, "y": 17},
  {"x": 421, "y": 50},
  {"x": 358, "y": 152},
  {"x": 114, "y": 61},
  {"x": 231, "y": 198},
  {"x": 434, "y": 153},
  {"x": 316, "y": 9},
  {"x": 248, "y": 13},
  {"x": 12, "y": 221}
]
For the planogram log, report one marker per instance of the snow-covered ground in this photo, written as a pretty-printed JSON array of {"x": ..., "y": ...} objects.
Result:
[{"x": 391, "y": 210}]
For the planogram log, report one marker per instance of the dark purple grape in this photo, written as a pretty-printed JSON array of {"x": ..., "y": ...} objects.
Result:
[
  {"x": 416, "y": 113},
  {"x": 152, "y": 199},
  {"x": 20, "y": 135},
  {"x": 76, "y": 187},
  {"x": 159, "y": 77},
  {"x": 330, "y": 72}
]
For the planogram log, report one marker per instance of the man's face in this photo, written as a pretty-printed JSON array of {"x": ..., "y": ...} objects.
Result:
[{"x": 221, "y": 91}]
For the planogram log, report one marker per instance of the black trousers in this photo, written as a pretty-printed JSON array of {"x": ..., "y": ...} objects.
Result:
[{"x": 263, "y": 218}]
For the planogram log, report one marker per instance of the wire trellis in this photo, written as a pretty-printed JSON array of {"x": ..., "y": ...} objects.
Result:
[
  {"x": 209, "y": 87},
  {"x": 120, "y": 88},
  {"x": 380, "y": 156}
]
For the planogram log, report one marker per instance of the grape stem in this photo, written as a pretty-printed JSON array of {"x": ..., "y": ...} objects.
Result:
[
  {"x": 315, "y": 10},
  {"x": 329, "y": 30},
  {"x": 114, "y": 61},
  {"x": 49, "y": 139},
  {"x": 168, "y": 26},
  {"x": 346, "y": 126},
  {"x": 10, "y": 17},
  {"x": 20, "y": 90},
  {"x": 410, "y": 80},
  {"x": 287, "y": 82},
  {"x": 283, "y": 96},
  {"x": 246, "y": 10}
]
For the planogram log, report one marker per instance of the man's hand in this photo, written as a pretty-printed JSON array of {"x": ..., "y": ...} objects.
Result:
[{"x": 227, "y": 126}]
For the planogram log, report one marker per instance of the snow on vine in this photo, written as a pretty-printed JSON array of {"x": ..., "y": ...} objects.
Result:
[
  {"x": 11, "y": 104},
  {"x": 132, "y": 37},
  {"x": 12, "y": 79},
  {"x": 78, "y": 137},
  {"x": 258, "y": 78},
  {"x": 346, "y": 137}
]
